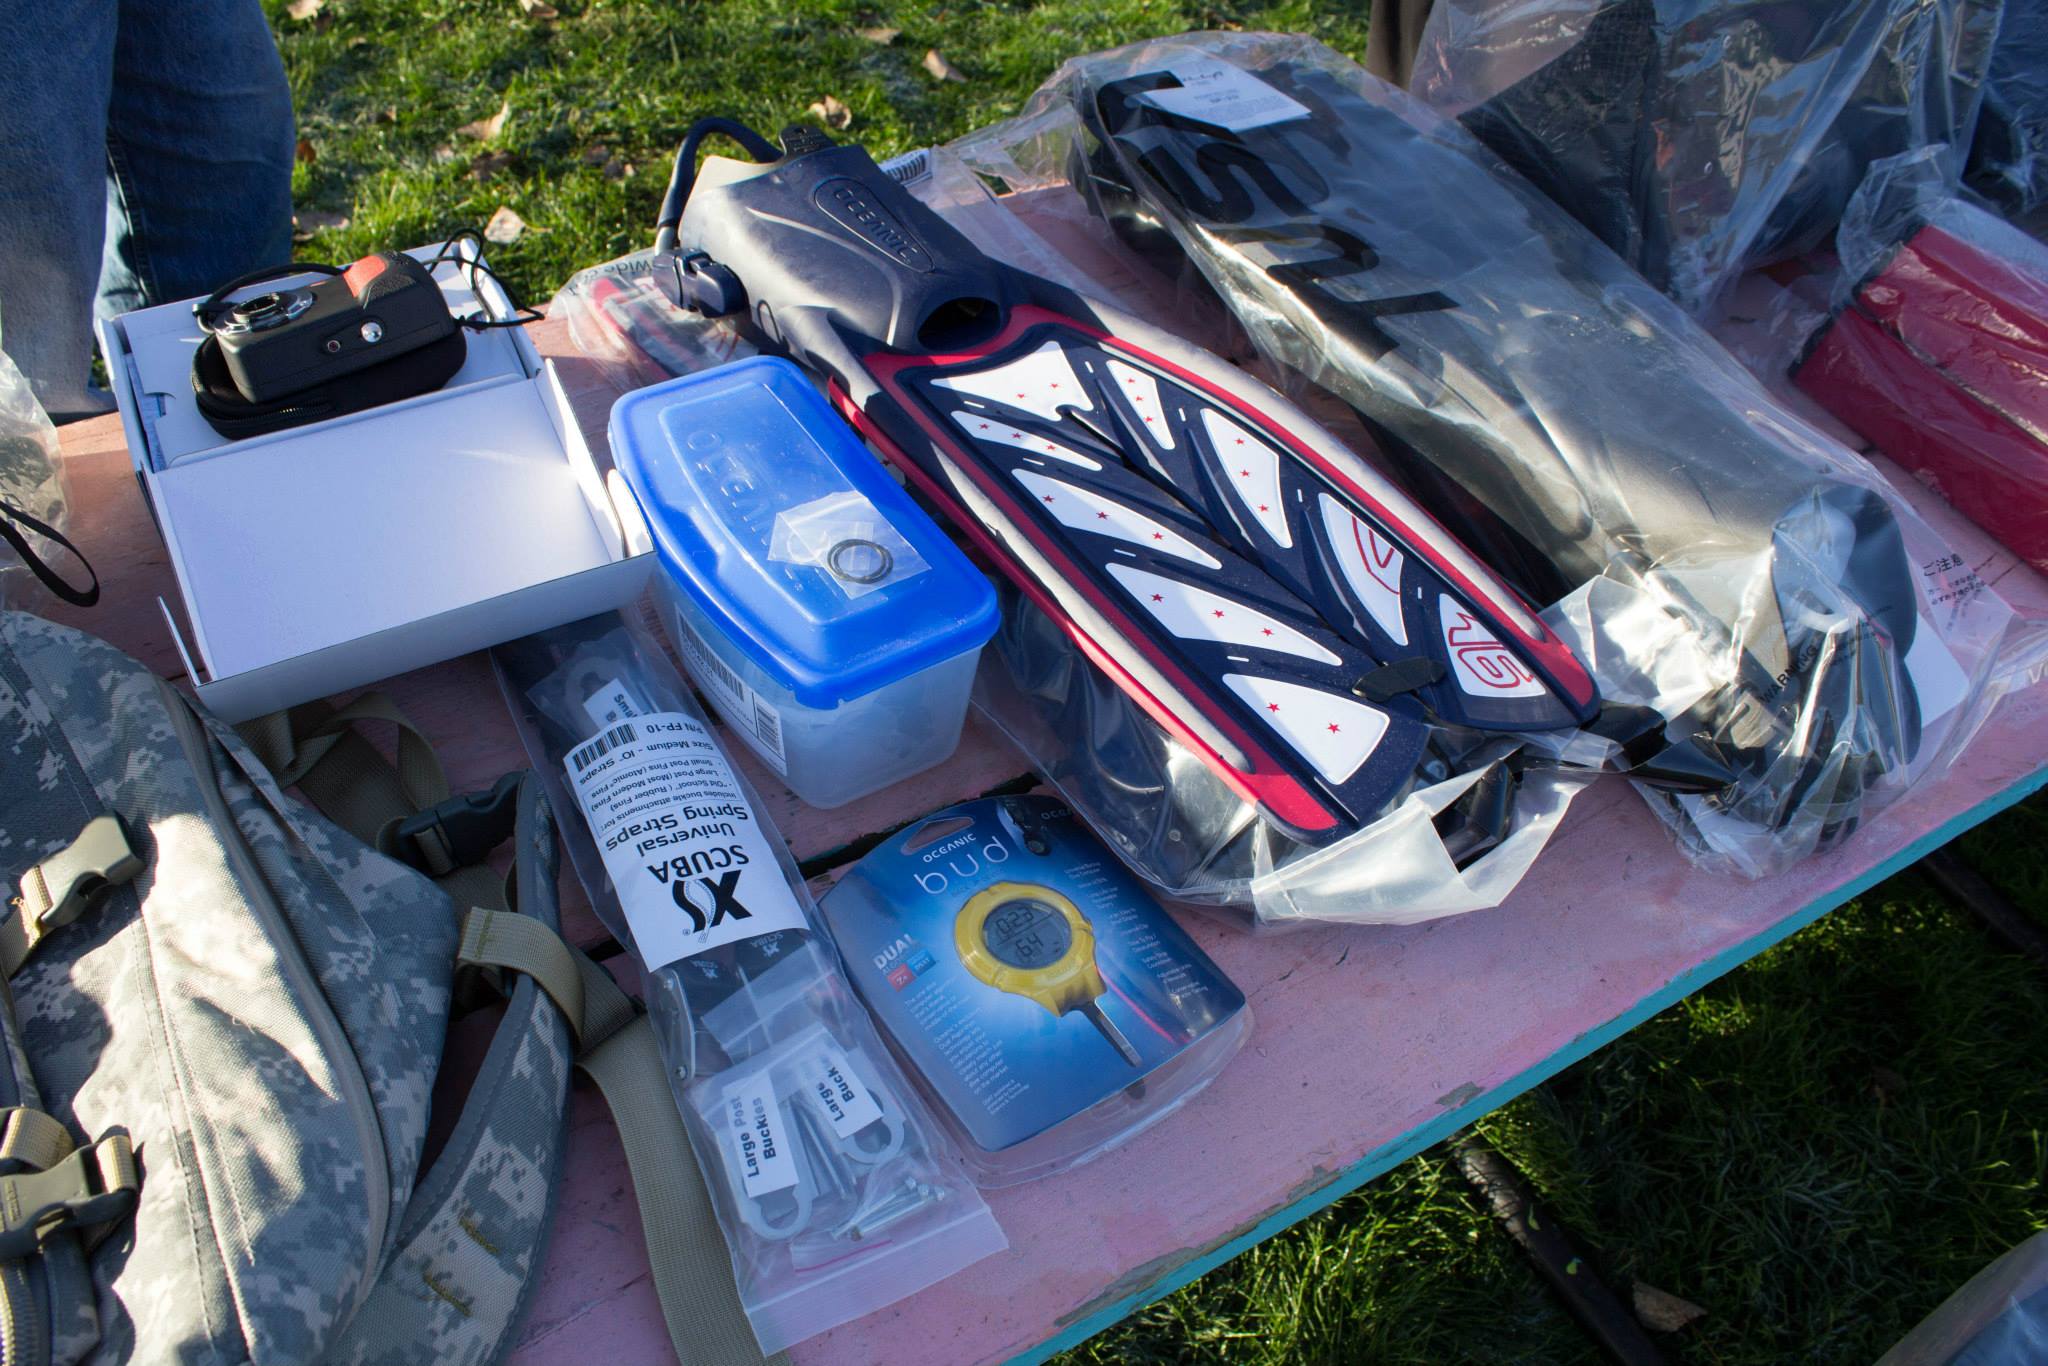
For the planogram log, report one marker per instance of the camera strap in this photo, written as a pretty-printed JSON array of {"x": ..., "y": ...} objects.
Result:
[
  {"x": 36, "y": 565},
  {"x": 418, "y": 371}
]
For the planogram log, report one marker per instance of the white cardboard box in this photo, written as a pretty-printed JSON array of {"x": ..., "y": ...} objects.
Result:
[{"x": 332, "y": 555}]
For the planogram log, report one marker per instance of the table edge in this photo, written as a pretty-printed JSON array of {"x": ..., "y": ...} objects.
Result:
[{"x": 1389, "y": 1155}]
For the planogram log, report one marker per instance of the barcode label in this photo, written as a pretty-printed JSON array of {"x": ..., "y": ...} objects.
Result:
[
  {"x": 767, "y": 725},
  {"x": 601, "y": 746},
  {"x": 752, "y": 717},
  {"x": 721, "y": 676}
]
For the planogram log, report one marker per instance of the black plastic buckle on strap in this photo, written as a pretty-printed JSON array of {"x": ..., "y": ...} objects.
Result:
[
  {"x": 87, "y": 1186},
  {"x": 457, "y": 832}
]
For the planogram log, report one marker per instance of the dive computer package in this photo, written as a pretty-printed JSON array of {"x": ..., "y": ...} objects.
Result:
[
  {"x": 1049, "y": 1005},
  {"x": 835, "y": 1190},
  {"x": 1812, "y": 646}
]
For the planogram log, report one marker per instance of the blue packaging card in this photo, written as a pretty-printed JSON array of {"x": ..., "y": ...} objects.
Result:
[{"x": 1024, "y": 972}]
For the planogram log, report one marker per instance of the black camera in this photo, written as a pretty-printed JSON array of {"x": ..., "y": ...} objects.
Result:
[
  {"x": 367, "y": 334},
  {"x": 288, "y": 341}
]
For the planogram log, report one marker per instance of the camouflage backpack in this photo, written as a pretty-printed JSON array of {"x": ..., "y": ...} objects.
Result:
[{"x": 227, "y": 1014}]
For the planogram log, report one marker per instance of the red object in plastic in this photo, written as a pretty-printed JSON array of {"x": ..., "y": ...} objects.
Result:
[{"x": 1942, "y": 363}]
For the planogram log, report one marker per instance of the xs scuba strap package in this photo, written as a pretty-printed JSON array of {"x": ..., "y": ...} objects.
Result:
[
  {"x": 1049, "y": 1006},
  {"x": 1813, "y": 644},
  {"x": 835, "y": 1193}
]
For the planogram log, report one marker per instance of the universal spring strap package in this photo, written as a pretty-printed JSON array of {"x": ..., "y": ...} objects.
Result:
[
  {"x": 833, "y": 1188},
  {"x": 1815, "y": 645},
  {"x": 1698, "y": 137}
]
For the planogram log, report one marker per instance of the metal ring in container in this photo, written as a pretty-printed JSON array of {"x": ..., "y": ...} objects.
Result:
[{"x": 845, "y": 559}]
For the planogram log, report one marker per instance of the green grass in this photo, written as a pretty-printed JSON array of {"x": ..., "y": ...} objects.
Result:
[
  {"x": 1816, "y": 1149},
  {"x": 383, "y": 86}
]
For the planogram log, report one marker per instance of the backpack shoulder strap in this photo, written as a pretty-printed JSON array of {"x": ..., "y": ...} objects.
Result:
[{"x": 461, "y": 1275}]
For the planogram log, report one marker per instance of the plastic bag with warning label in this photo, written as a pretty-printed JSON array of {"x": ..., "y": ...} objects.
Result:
[{"x": 835, "y": 1192}]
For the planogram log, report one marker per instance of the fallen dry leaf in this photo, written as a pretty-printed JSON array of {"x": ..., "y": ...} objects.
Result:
[
  {"x": 884, "y": 36},
  {"x": 444, "y": 153},
  {"x": 484, "y": 165},
  {"x": 540, "y": 9},
  {"x": 303, "y": 10},
  {"x": 616, "y": 169},
  {"x": 306, "y": 222},
  {"x": 940, "y": 68},
  {"x": 1662, "y": 1311},
  {"x": 388, "y": 114},
  {"x": 304, "y": 151},
  {"x": 831, "y": 112},
  {"x": 505, "y": 227},
  {"x": 486, "y": 129},
  {"x": 596, "y": 156}
]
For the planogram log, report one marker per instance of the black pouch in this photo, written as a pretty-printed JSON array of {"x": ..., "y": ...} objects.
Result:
[{"x": 412, "y": 372}]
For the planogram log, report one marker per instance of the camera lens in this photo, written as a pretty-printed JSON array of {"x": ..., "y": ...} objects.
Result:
[{"x": 262, "y": 306}]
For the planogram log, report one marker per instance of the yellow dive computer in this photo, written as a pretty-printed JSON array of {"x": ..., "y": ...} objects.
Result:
[{"x": 1032, "y": 942}]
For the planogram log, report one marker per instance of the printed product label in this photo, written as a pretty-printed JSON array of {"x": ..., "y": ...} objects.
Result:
[
  {"x": 1225, "y": 96},
  {"x": 609, "y": 704},
  {"x": 760, "y": 1147},
  {"x": 693, "y": 868},
  {"x": 842, "y": 1097},
  {"x": 746, "y": 711}
]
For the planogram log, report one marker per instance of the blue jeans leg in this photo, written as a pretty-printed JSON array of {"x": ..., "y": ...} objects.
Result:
[
  {"x": 199, "y": 151},
  {"x": 56, "y": 76},
  {"x": 147, "y": 158}
]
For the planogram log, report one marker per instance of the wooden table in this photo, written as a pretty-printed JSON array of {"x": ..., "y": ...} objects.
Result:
[{"x": 1370, "y": 1043}]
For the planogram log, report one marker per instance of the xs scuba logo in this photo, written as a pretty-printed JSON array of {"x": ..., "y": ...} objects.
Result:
[{"x": 708, "y": 901}]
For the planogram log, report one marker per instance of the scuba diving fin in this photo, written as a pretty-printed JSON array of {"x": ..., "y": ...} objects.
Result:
[
  {"x": 1525, "y": 380},
  {"x": 1265, "y": 595}
]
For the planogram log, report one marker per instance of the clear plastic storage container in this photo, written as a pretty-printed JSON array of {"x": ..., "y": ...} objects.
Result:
[{"x": 825, "y": 616}]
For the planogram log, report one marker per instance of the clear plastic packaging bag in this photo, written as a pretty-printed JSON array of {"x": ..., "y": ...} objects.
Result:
[
  {"x": 1697, "y": 137},
  {"x": 1998, "y": 1318},
  {"x": 1577, "y": 428},
  {"x": 1459, "y": 841},
  {"x": 32, "y": 502},
  {"x": 1937, "y": 347},
  {"x": 618, "y": 318},
  {"x": 1476, "y": 814},
  {"x": 2009, "y": 155},
  {"x": 836, "y": 1193}
]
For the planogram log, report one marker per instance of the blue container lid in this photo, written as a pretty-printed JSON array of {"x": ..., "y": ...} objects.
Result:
[{"x": 737, "y": 469}]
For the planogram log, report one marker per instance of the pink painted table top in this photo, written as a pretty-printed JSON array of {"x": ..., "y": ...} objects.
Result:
[{"x": 1369, "y": 1043}]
